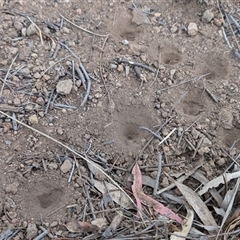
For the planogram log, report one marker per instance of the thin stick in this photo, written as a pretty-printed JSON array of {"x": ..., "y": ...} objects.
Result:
[
  {"x": 153, "y": 133},
  {"x": 89, "y": 83},
  {"x": 72, "y": 171},
  {"x": 6, "y": 76},
  {"x": 72, "y": 151},
  {"x": 191, "y": 80},
  {"x": 83, "y": 29},
  {"x": 225, "y": 37},
  {"x": 158, "y": 174},
  {"x": 150, "y": 140},
  {"x": 167, "y": 136},
  {"x": 53, "y": 65},
  {"x": 40, "y": 32}
]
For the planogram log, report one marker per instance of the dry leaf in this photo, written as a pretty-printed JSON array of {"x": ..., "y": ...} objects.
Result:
[
  {"x": 229, "y": 206},
  {"x": 186, "y": 226},
  {"x": 99, "y": 222},
  {"x": 87, "y": 227},
  {"x": 72, "y": 226},
  {"x": 117, "y": 195},
  {"x": 197, "y": 204},
  {"x": 141, "y": 197},
  {"x": 77, "y": 226},
  {"x": 223, "y": 179}
]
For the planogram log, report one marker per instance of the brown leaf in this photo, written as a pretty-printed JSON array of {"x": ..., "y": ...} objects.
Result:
[
  {"x": 87, "y": 227},
  {"x": 72, "y": 227}
]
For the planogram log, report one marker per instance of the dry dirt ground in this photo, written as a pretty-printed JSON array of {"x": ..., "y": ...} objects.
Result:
[{"x": 191, "y": 98}]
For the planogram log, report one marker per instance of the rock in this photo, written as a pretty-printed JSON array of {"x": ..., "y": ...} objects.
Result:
[
  {"x": 192, "y": 29},
  {"x": 120, "y": 68},
  {"x": 164, "y": 183},
  {"x": 64, "y": 87},
  {"x": 113, "y": 66},
  {"x": 207, "y": 16},
  {"x": 98, "y": 95},
  {"x": 218, "y": 22},
  {"x": 33, "y": 119},
  {"x": 29, "y": 108},
  {"x": 227, "y": 119},
  {"x": 31, "y": 231},
  {"x": 52, "y": 166},
  {"x": 16, "y": 101},
  {"x": 60, "y": 130},
  {"x": 221, "y": 162},
  {"x": 78, "y": 83},
  {"x": 6, "y": 126},
  {"x": 195, "y": 133},
  {"x": 12, "y": 215},
  {"x": 54, "y": 224},
  {"x": 12, "y": 188},
  {"x": 139, "y": 17},
  {"x": 65, "y": 30},
  {"x": 203, "y": 150},
  {"x": 66, "y": 166},
  {"x": 18, "y": 25},
  {"x": 125, "y": 42},
  {"x": 206, "y": 142},
  {"x": 13, "y": 50},
  {"x": 40, "y": 101},
  {"x": 31, "y": 30}
]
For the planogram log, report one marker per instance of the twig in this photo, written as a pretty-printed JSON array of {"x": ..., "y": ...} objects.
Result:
[
  {"x": 48, "y": 103},
  {"x": 55, "y": 209},
  {"x": 49, "y": 234},
  {"x": 53, "y": 65},
  {"x": 153, "y": 133},
  {"x": 167, "y": 136},
  {"x": 110, "y": 101},
  {"x": 73, "y": 73},
  {"x": 179, "y": 100},
  {"x": 156, "y": 75},
  {"x": 72, "y": 151},
  {"x": 14, "y": 123},
  {"x": 198, "y": 146},
  {"x": 56, "y": 51},
  {"x": 234, "y": 22},
  {"x": 89, "y": 201},
  {"x": 225, "y": 37},
  {"x": 80, "y": 74},
  {"x": 42, "y": 235},
  {"x": 40, "y": 32},
  {"x": 158, "y": 174},
  {"x": 44, "y": 165},
  {"x": 64, "y": 106},
  {"x": 89, "y": 83},
  {"x": 83, "y": 29},
  {"x": 150, "y": 140},
  {"x": 120, "y": 60},
  {"x": 191, "y": 80},
  {"x": 66, "y": 46},
  {"x": 6, "y": 76},
  {"x": 72, "y": 171},
  {"x": 8, "y": 108}
]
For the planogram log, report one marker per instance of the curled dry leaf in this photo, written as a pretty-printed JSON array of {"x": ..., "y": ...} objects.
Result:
[
  {"x": 223, "y": 179},
  {"x": 117, "y": 195},
  {"x": 142, "y": 198},
  {"x": 78, "y": 226},
  {"x": 186, "y": 226},
  {"x": 197, "y": 204}
]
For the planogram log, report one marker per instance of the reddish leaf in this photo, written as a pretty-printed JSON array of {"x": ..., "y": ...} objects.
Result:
[
  {"x": 87, "y": 227},
  {"x": 142, "y": 198}
]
